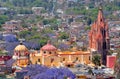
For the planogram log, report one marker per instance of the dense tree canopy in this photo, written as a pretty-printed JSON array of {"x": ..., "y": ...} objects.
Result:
[
  {"x": 42, "y": 72},
  {"x": 3, "y": 19},
  {"x": 63, "y": 35},
  {"x": 10, "y": 38},
  {"x": 96, "y": 60}
]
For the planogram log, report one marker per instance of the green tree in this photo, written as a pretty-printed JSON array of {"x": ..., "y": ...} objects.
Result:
[
  {"x": 37, "y": 36},
  {"x": 89, "y": 21},
  {"x": 3, "y": 53},
  {"x": 23, "y": 34},
  {"x": 24, "y": 11},
  {"x": 63, "y": 35},
  {"x": 47, "y": 30},
  {"x": 45, "y": 22},
  {"x": 87, "y": 28},
  {"x": 43, "y": 41},
  {"x": 96, "y": 60},
  {"x": 3, "y": 19}
]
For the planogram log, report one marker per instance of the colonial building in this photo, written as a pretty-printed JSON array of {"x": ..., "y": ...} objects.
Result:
[
  {"x": 21, "y": 55},
  {"x": 50, "y": 56},
  {"x": 99, "y": 36}
]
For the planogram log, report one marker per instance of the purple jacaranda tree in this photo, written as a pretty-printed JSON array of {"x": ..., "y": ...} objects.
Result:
[
  {"x": 28, "y": 44},
  {"x": 42, "y": 72},
  {"x": 1, "y": 36},
  {"x": 56, "y": 73},
  {"x": 10, "y": 38},
  {"x": 63, "y": 46},
  {"x": 32, "y": 45},
  {"x": 35, "y": 46},
  {"x": 10, "y": 62},
  {"x": 42, "y": 76},
  {"x": 10, "y": 46},
  {"x": 33, "y": 70}
]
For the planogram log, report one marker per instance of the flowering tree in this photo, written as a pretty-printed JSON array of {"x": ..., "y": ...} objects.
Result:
[
  {"x": 32, "y": 45},
  {"x": 63, "y": 46},
  {"x": 42, "y": 72},
  {"x": 10, "y": 38},
  {"x": 9, "y": 46},
  {"x": 1, "y": 37},
  {"x": 33, "y": 70},
  {"x": 56, "y": 73}
]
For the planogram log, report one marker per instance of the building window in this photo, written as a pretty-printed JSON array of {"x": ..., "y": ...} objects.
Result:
[
  {"x": 89, "y": 58},
  {"x": 50, "y": 52},
  {"x": 76, "y": 58},
  {"x": 52, "y": 59},
  {"x": 38, "y": 60},
  {"x": 63, "y": 59},
  {"x": 44, "y": 52}
]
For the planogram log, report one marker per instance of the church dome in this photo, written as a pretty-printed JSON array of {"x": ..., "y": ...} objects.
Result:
[
  {"x": 20, "y": 47},
  {"x": 48, "y": 47}
]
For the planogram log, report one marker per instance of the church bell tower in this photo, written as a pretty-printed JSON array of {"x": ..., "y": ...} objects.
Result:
[{"x": 99, "y": 36}]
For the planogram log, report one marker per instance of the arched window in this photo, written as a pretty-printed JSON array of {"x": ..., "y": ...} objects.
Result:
[
  {"x": 89, "y": 58},
  {"x": 76, "y": 58},
  {"x": 103, "y": 32},
  {"x": 52, "y": 59},
  {"x": 44, "y": 52},
  {"x": 38, "y": 60},
  {"x": 63, "y": 59},
  {"x": 50, "y": 52}
]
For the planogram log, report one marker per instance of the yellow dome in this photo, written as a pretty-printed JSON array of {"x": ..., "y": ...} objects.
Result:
[{"x": 20, "y": 48}]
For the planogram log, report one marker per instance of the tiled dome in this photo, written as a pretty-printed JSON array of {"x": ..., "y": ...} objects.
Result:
[{"x": 48, "y": 47}]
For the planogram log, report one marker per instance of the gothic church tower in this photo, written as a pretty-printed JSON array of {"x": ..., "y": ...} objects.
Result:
[{"x": 99, "y": 36}]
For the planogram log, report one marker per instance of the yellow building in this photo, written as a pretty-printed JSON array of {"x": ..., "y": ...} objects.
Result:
[
  {"x": 47, "y": 56},
  {"x": 21, "y": 55},
  {"x": 50, "y": 56}
]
